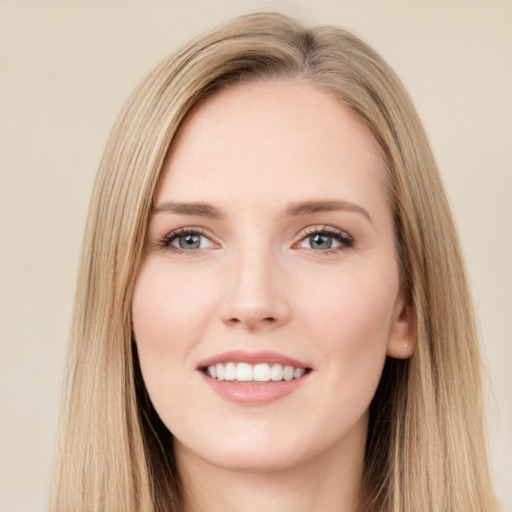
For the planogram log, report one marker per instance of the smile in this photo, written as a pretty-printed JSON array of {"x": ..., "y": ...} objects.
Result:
[
  {"x": 254, "y": 378},
  {"x": 261, "y": 372}
]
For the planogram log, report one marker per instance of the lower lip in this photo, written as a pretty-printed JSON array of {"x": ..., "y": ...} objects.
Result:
[{"x": 254, "y": 393}]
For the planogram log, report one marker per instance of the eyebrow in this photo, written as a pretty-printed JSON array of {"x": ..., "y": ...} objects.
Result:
[
  {"x": 309, "y": 207},
  {"x": 198, "y": 209},
  {"x": 294, "y": 209}
]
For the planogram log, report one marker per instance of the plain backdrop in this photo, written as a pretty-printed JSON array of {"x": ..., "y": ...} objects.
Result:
[{"x": 65, "y": 70}]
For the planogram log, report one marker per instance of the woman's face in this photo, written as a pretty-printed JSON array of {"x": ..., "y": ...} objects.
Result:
[{"x": 270, "y": 255}]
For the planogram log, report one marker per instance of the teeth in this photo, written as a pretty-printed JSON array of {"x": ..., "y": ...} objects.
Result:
[
  {"x": 212, "y": 371},
  {"x": 289, "y": 372},
  {"x": 298, "y": 372},
  {"x": 262, "y": 372},
  {"x": 243, "y": 372},
  {"x": 276, "y": 372},
  {"x": 220, "y": 371},
  {"x": 230, "y": 371}
]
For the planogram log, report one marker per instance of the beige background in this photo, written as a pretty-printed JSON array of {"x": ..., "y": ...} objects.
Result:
[{"x": 65, "y": 70}]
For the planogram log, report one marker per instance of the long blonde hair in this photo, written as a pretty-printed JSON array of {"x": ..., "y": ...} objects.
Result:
[{"x": 425, "y": 449}]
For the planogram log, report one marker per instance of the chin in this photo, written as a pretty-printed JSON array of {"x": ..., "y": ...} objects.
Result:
[
  {"x": 244, "y": 454},
  {"x": 268, "y": 463}
]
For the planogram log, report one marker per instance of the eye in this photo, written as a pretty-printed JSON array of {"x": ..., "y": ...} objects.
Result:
[
  {"x": 186, "y": 240},
  {"x": 326, "y": 239}
]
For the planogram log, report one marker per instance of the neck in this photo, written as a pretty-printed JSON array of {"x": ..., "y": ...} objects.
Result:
[{"x": 329, "y": 482}]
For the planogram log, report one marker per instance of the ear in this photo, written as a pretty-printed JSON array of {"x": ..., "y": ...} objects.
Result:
[{"x": 402, "y": 335}]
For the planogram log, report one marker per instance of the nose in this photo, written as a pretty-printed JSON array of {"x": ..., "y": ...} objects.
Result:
[{"x": 256, "y": 297}]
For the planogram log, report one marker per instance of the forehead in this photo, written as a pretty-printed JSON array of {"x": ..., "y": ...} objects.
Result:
[{"x": 278, "y": 138}]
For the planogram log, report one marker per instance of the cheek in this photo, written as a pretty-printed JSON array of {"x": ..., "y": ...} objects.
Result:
[
  {"x": 351, "y": 323},
  {"x": 351, "y": 311},
  {"x": 168, "y": 313},
  {"x": 168, "y": 310}
]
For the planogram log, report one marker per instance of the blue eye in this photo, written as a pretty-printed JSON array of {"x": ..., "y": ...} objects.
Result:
[
  {"x": 186, "y": 240},
  {"x": 322, "y": 242},
  {"x": 326, "y": 239}
]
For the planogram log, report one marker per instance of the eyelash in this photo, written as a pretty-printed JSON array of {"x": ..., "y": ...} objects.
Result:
[
  {"x": 166, "y": 241},
  {"x": 346, "y": 241}
]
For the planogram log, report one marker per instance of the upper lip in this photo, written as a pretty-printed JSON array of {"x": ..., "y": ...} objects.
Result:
[{"x": 242, "y": 356}]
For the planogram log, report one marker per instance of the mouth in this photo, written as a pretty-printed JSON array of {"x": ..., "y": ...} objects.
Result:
[
  {"x": 253, "y": 378},
  {"x": 260, "y": 372}
]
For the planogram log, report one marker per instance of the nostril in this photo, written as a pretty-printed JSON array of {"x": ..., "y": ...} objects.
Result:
[{"x": 251, "y": 322}]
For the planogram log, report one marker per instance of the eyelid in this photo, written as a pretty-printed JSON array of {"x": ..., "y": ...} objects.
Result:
[
  {"x": 323, "y": 228},
  {"x": 345, "y": 239},
  {"x": 164, "y": 242}
]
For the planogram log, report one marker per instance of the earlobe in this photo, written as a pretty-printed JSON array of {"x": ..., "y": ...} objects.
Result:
[{"x": 402, "y": 335}]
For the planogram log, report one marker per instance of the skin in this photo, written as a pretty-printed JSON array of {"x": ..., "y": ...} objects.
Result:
[{"x": 258, "y": 283}]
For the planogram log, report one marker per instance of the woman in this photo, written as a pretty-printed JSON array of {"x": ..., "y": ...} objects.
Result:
[{"x": 272, "y": 309}]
